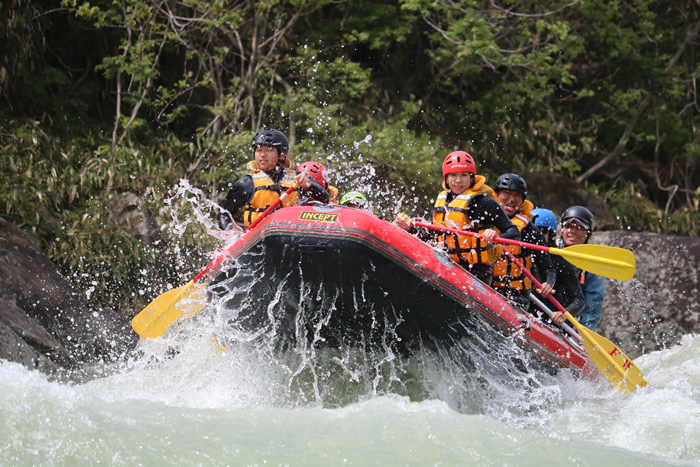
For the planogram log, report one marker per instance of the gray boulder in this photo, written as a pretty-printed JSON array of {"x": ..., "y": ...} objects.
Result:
[
  {"x": 45, "y": 322},
  {"x": 659, "y": 305}
]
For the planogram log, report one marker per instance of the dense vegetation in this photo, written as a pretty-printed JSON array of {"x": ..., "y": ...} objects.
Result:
[{"x": 107, "y": 96}]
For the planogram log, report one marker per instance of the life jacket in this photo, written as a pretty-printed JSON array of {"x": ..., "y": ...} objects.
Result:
[
  {"x": 506, "y": 274},
  {"x": 267, "y": 191},
  {"x": 464, "y": 249},
  {"x": 333, "y": 194}
]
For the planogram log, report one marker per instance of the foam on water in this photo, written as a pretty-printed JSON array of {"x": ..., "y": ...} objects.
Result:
[
  {"x": 220, "y": 411},
  {"x": 182, "y": 400}
]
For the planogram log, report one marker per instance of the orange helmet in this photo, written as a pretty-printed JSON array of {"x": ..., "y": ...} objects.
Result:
[
  {"x": 458, "y": 161},
  {"x": 315, "y": 170}
]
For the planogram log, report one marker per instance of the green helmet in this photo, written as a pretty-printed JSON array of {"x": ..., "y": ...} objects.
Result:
[{"x": 353, "y": 198}]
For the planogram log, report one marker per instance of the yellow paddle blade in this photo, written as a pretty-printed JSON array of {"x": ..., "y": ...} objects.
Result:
[
  {"x": 162, "y": 312},
  {"x": 614, "y": 364},
  {"x": 606, "y": 261}
]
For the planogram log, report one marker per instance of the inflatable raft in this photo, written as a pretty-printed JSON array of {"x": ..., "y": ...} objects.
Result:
[{"x": 333, "y": 276}]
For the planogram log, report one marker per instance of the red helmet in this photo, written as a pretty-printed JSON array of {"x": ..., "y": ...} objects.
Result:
[
  {"x": 316, "y": 171},
  {"x": 458, "y": 161}
]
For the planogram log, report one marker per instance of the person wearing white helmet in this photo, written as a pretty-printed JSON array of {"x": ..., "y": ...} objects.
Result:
[
  {"x": 271, "y": 173},
  {"x": 577, "y": 226}
]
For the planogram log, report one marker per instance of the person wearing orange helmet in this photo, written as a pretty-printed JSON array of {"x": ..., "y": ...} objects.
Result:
[
  {"x": 318, "y": 172},
  {"x": 271, "y": 173},
  {"x": 467, "y": 203}
]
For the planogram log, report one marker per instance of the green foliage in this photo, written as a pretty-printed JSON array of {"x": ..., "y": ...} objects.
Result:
[
  {"x": 108, "y": 97},
  {"x": 55, "y": 191}
]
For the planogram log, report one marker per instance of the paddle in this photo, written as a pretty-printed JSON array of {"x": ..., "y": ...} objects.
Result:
[
  {"x": 614, "y": 364},
  {"x": 550, "y": 313},
  {"x": 188, "y": 299},
  {"x": 607, "y": 261}
]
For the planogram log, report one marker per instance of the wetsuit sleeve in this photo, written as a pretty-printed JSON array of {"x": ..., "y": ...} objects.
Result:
[
  {"x": 593, "y": 292},
  {"x": 542, "y": 259},
  {"x": 485, "y": 211},
  {"x": 238, "y": 196},
  {"x": 315, "y": 191},
  {"x": 568, "y": 289}
]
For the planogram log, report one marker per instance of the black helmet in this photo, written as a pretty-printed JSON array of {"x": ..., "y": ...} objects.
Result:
[
  {"x": 271, "y": 137},
  {"x": 512, "y": 182},
  {"x": 581, "y": 214}
]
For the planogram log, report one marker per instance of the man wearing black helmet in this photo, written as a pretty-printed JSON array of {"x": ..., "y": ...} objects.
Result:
[
  {"x": 271, "y": 173},
  {"x": 577, "y": 228},
  {"x": 508, "y": 278}
]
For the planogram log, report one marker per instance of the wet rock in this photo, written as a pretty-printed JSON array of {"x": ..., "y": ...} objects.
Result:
[
  {"x": 33, "y": 334},
  {"x": 659, "y": 305},
  {"x": 57, "y": 322},
  {"x": 134, "y": 215},
  {"x": 13, "y": 234},
  {"x": 14, "y": 349}
]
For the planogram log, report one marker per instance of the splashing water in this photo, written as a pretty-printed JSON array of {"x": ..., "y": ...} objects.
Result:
[{"x": 213, "y": 391}]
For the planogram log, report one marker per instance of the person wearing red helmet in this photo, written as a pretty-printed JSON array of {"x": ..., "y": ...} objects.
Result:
[
  {"x": 271, "y": 173},
  {"x": 467, "y": 203},
  {"x": 318, "y": 172}
]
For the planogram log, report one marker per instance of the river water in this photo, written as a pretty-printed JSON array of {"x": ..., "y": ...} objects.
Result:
[
  {"x": 190, "y": 403},
  {"x": 185, "y": 400}
]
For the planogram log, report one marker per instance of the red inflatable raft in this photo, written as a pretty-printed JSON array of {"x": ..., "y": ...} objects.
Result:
[{"x": 337, "y": 276}]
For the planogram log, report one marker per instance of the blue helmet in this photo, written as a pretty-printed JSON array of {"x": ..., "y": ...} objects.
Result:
[{"x": 544, "y": 218}]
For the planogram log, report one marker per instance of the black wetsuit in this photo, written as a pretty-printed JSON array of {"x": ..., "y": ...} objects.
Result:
[
  {"x": 484, "y": 212},
  {"x": 567, "y": 286},
  {"x": 242, "y": 192}
]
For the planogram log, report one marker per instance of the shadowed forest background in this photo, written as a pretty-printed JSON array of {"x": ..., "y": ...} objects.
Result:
[{"x": 103, "y": 98}]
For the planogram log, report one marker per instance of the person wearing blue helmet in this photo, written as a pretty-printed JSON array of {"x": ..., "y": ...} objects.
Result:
[
  {"x": 567, "y": 288},
  {"x": 577, "y": 226}
]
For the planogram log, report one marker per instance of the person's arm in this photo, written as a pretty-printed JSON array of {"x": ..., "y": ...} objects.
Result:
[
  {"x": 239, "y": 195},
  {"x": 315, "y": 191},
  {"x": 594, "y": 293},
  {"x": 486, "y": 211},
  {"x": 542, "y": 259}
]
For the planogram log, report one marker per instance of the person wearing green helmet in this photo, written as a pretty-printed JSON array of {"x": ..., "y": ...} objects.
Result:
[{"x": 354, "y": 199}]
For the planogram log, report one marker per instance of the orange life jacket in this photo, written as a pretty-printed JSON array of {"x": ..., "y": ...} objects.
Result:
[
  {"x": 506, "y": 275},
  {"x": 333, "y": 194},
  {"x": 267, "y": 191},
  {"x": 464, "y": 249}
]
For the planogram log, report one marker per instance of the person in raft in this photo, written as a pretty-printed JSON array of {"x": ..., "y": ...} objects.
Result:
[
  {"x": 467, "y": 203},
  {"x": 318, "y": 172},
  {"x": 508, "y": 279},
  {"x": 577, "y": 228},
  {"x": 271, "y": 174},
  {"x": 567, "y": 289},
  {"x": 354, "y": 199}
]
